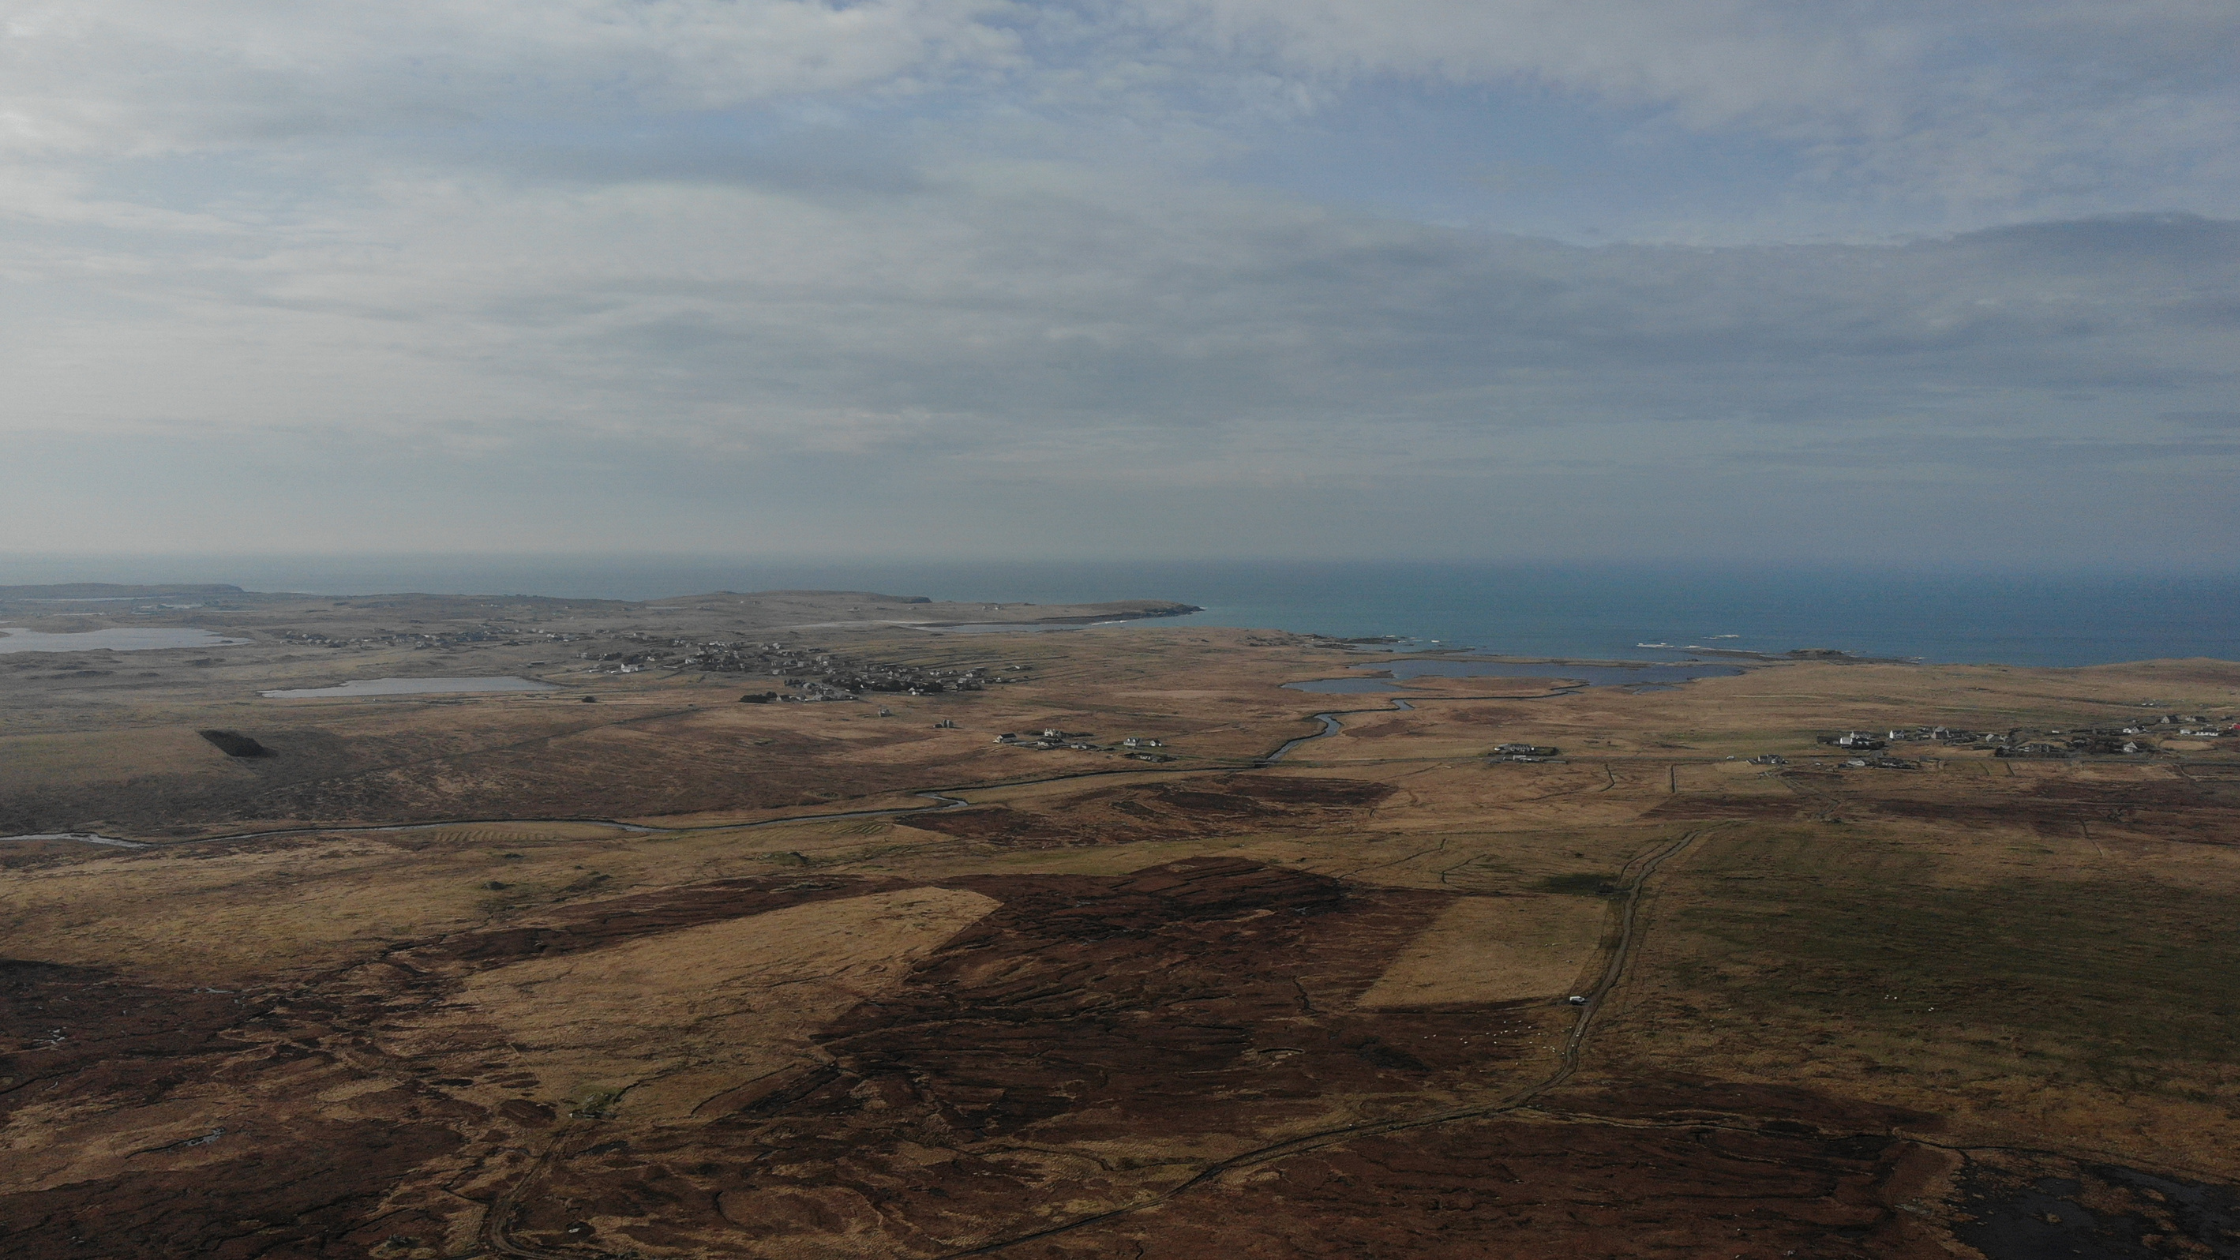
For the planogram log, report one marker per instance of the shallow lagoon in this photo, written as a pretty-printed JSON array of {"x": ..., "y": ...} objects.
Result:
[
  {"x": 114, "y": 639},
  {"x": 412, "y": 687}
]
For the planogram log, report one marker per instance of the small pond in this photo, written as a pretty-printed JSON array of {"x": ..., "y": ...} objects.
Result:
[
  {"x": 412, "y": 687},
  {"x": 114, "y": 639},
  {"x": 82, "y": 837}
]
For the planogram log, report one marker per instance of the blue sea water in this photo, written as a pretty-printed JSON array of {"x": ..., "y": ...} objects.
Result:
[{"x": 1584, "y": 612}]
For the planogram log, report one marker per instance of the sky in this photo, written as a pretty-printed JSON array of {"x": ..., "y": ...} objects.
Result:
[{"x": 1885, "y": 282}]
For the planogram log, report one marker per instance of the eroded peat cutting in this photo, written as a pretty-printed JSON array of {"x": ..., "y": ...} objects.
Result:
[{"x": 673, "y": 975}]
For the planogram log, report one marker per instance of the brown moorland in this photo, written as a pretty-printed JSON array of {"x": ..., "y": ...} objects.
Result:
[{"x": 669, "y": 974}]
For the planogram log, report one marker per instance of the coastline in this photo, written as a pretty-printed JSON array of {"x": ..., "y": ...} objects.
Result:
[{"x": 1597, "y": 613}]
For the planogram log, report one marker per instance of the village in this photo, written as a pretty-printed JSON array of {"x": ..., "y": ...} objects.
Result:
[
  {"x": 2128, "y": 739},
  {"x": 814, "y": 674},
  {"x": 1140, "y": 748}
]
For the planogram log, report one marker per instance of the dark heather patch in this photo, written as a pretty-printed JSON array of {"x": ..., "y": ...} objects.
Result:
[{"x": 2029, "y": 1215}]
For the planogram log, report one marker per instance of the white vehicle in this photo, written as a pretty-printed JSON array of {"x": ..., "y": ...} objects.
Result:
[{"x": 1577, "y": 999}]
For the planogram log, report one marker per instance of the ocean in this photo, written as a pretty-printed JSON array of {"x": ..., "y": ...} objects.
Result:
[{"x": 1594, "y": 612}]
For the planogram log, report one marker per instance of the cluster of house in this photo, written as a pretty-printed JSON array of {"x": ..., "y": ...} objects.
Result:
[
  {"x": 1855, "y": 742},
  {"x": 1525, "y": 752},
  {"x": 2196, "y": 726},
  {"x": 1051, "y": 738},
  {"x": 2124, "y": 739},
  {"x": 1135, "y": 745},
  {"x": 491, "y": 634},
  {"x": 813, "y": 673}
]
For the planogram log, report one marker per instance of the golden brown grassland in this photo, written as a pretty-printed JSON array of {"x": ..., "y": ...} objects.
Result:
[{"x": 667, "y": 974}]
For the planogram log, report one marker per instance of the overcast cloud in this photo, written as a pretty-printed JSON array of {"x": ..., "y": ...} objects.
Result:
[{"x": 1876, "y": 281}]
